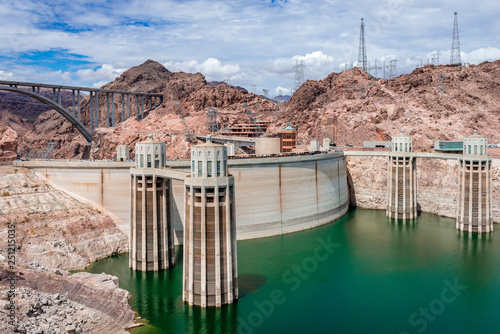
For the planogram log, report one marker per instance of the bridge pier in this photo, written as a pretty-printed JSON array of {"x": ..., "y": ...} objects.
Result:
[
  {"x": 96, "y": 109},
  {"x": 474, "y": 205},
  {"x": 151, "y": 230},
  {"x": 91, "y": 112},
  {"x": 112, "y": 110},
  {"x": 210, "y": 273},
  {"x": 402, "y": 180}
]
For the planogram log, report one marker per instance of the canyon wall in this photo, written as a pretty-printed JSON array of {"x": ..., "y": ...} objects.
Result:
[{"x": 437, "y": 185}]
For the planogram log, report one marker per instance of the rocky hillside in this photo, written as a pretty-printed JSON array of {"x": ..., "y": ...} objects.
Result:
[
  {"x": 433, "y": 102},
  {"x": 183, "y": 114},
  {"x": 53, "y": 228},
  {"x": 8, "y": 143},
  {"x": 55, "y": 232}
]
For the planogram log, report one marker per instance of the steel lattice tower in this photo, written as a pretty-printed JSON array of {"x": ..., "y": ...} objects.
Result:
[
  {"x": 299, "y": 74},
  {"x": 455, "y": 56},
  {"x": 362, "y": 48}
]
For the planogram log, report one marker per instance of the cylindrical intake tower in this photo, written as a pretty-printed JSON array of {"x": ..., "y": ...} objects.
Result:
[
  {"x": 402, "y": 180},
  {"x": 210, "y": 275},
  {"x": 474, "y": 208},
  {"x": 151, "y": 232}
]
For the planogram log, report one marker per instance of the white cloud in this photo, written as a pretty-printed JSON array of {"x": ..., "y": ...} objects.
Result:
[
  {"x": 212, "y": 68},
  {"x": 253, "y": 42},
  {"x": 481, "y": 54},
  {"x": 106, "y": 72},
  {"x": 281, "y": 90},
  {"x": 99, "y": 84},
  {"x": 6, "y": 75},
  {"x": 317, "y": 64}
]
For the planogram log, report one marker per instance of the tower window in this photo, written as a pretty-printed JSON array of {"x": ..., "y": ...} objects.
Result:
[{"x": 209, "y": 168}]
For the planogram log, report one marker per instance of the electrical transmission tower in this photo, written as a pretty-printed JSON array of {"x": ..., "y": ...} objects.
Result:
[
  {"x": 266, "y": 92},
  {"x": 362, "y": 48},
  {"x": 373, "y": 70},
  {"x": 299, "y": 74},
  {"x": 393, "y": 68},
  {"x": 254, "y": 89},
  {"x": 455, "y": 57},
  {"x": 435, "y": 58},
  {"x": 213, "y": 124},
  {"x": 442, "y": 83}
]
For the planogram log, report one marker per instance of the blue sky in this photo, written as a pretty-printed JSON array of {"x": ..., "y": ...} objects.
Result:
[{"x": 89, "y": 43}]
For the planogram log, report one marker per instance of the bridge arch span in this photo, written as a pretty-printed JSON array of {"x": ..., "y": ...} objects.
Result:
[{"x": 54, "y": 105}]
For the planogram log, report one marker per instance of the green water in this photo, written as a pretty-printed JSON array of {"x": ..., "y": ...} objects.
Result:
[{"x": 361, "y": 274}]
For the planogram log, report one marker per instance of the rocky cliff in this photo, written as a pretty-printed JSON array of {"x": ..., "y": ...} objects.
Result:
[
  {"x": 437, "y": 185},
  {"x": 8, "y": 143},
  {"x": 53, "y": 228},
  {"x": 433, "y": 102},
  {"x": 55, "y": 232},
  {"x": 55, "y": 301}
]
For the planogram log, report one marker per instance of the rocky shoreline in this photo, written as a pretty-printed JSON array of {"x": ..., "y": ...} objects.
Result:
[
  {"x": 55, "y": 232},
  {"x": 55, "y": 301}
]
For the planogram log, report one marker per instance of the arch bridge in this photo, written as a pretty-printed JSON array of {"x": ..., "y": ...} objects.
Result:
[{"x": 74, "y": 113}]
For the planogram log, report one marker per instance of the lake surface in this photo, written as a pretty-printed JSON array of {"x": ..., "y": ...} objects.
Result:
[{"x": 363, "y": 273}]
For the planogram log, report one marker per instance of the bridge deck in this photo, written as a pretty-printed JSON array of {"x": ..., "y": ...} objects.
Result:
[{"x": 85, "y": 89}]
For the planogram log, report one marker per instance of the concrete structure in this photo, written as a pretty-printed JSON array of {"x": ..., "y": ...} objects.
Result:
[
  {"x": 151, "y": 233},
  {"x": 267, "y": 146},
  {"x": 326, "y": 145},
  {"x": 377, "y": 144},
  {"x": 273, "y": 195},
  {"x": 122, "y": 153},
  {"x": 448, "y": 146},
  {"x": 402, "y": 180},
  {"x": 474, "y": 210},
  {"x": 210, "y": 273},
  {"x": 314, "y": 146},
  {"x": 230, "y": 149},
  {"x": 251, "y": 130},
  {"x": 288, "y": 139}
]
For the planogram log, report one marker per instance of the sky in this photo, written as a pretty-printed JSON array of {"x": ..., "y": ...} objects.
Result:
[{"x": 254, "y": 44}]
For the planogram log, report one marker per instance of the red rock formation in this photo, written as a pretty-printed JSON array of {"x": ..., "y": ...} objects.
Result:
[
  {"x": 431, "y": 103},
  {"x": 8, "y": 143}
]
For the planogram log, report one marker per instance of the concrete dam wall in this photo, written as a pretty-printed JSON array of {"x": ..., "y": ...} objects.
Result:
[{"x": 273, "y": 195}]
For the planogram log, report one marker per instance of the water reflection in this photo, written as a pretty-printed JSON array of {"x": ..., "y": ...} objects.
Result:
[{"x": 210, "y": 320}]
